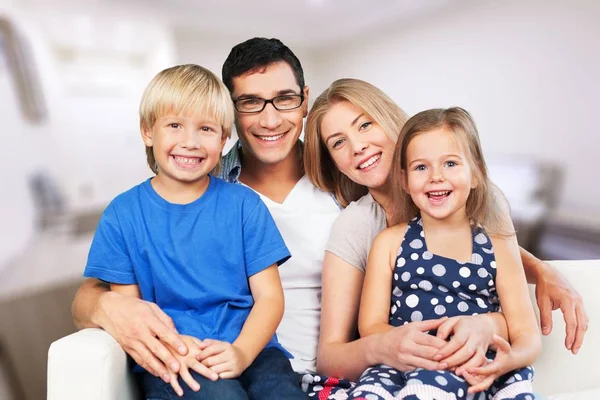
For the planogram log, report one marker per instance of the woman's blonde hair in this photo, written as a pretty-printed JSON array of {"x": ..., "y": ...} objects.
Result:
[
  {"x": 185, "y": 89},
  {"x": 318, "y": 164},
  {"x": 486, "y": 204}
]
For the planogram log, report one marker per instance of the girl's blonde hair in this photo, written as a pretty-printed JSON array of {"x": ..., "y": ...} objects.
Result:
[
  {"x": 318, "y": 164},
  {"x": 185, "y": 89},
  {"x": 486, "y": 204}
]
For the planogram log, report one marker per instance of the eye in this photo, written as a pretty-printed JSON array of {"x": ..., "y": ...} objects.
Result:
[
  {"x": 451, "y": 163},
  {"x": 420, "y": 167},
  {"x": 174, "y": 125},
  {"x": 365, "y": 125},
  {"x": 337, "y": 143},
  {"x": 206, "y": 128}
]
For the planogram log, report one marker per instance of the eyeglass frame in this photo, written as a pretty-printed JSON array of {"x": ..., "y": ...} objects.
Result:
[{"x": 268, "y": 101}]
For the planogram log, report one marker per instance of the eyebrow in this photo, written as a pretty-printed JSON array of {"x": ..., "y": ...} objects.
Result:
[
  {"x": 340, "y": 133},
  {"x": 279, "y": 93},
  {"x": 443, "y": 156}
]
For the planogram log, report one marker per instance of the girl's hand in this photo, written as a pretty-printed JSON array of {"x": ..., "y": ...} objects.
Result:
[
  {"x": 223, "y": 358},
  {"x": 410, "y": 346},
  {"x": 481, "y": 378},
  {"x": 189, "y": 361},
  {"x": 470, "y": 337}
]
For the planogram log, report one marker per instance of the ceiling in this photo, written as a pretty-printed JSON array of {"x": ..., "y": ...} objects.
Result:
[{"x": 311, "y": 23}]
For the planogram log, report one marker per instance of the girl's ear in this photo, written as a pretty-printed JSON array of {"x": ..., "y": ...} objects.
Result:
[{"x": 404, "y": 179}]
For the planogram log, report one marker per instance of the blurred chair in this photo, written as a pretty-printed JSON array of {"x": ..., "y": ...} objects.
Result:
[
  {"x": 532, "y": 189},
  {"x": 91, "y": 365}
]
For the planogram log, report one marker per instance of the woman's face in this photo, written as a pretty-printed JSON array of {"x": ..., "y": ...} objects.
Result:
[{"x": 358, "y": 145}]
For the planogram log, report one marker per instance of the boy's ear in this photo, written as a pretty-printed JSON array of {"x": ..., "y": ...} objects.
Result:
[
  {"x": 223, "y": 141},
  {"x": 146, "y": 136},
  {"x": 305, "y": 104}
]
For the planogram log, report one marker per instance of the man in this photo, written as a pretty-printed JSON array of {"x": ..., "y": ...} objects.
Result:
[{"x": 267, "y": 86}]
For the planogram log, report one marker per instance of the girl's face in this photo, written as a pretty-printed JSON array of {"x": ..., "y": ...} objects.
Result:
[
  {"x": 358, "y": 145},
  {"x": 438, "y": 176}
]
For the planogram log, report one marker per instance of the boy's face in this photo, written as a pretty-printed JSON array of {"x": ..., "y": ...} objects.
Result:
[
  {"x": 270, "y": 135},
  {"x": 186, "y": 148}
]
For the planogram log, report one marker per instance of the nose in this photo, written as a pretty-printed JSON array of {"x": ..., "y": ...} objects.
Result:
[
  {"x": 437, "y": 175},
  {"x": 358, "y": 145},
  {"x": 270, "y": 118},
  {"x": 190, "y": 139}
]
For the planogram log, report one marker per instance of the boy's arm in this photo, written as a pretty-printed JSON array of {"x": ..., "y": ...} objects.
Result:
[
  {"x": 127, "y": 290},
  {"x": 265, "y": 316}
]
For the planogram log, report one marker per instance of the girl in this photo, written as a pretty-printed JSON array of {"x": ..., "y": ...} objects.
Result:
[{"x": 456, "y": 257}]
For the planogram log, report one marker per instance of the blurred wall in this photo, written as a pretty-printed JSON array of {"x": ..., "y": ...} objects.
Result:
[{"x": 527, "y": 70}]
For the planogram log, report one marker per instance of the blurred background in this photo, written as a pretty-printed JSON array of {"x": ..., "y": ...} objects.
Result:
[{"x": 72, "y": 74}]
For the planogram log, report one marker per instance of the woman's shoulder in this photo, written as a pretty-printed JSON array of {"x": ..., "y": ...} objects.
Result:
[{"x": 365, "y": 209}]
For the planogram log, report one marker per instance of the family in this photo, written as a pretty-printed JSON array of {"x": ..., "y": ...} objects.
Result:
[{"x": 372, "y": 260}]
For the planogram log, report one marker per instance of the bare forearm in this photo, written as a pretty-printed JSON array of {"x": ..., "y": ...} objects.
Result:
[
  {"x": 346, "y": 360},
  {"x": 499, "y": 322},
  {"x": 260, "y": 326},
  {"x": 532, "y": 265},
  {"x": 85, "y": 303},
  {"x": 525, "y": 350}
]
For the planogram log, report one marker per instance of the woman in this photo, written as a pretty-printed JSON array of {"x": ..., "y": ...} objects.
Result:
[{"x": 349, "y": 142}]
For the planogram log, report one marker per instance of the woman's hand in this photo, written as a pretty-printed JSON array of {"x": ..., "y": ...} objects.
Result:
[
  {"x": 408, "y": 347},
  {"x": 470, "y": 337}
]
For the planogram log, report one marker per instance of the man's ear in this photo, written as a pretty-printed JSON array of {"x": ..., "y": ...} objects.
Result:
[
  {"x": 305, "y": 104},
  {"x": 146, "y": 136}
]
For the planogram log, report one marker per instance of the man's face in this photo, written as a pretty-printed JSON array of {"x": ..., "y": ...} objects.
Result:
[{"x": 270, "y": 135}]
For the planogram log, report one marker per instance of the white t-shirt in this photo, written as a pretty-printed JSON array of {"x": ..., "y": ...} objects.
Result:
[{"x": 304, "y": 220}]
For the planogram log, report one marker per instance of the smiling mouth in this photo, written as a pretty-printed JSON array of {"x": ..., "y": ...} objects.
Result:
[
  {"x": 272, "y": 138},
  {"x": 439, "y": 195},
  {"x": 187, "y": 160},
  {"x": 370, "y": 161}
]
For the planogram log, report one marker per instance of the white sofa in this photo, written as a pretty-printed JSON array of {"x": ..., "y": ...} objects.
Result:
[{"x": 91, "y": 365}]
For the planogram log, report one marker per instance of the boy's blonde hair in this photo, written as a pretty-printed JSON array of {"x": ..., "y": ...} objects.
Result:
[
  {"x": 318, "y": 164},
  {"x": 185, "y": 89},
  {"x": 486, "y": 204}
]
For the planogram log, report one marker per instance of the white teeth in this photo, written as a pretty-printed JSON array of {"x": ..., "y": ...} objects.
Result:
[
  {"x": 439, "y": 193},
  {"x": 186, "y": 160},
  {"x": 370, "y": 161},
  {"x": 270, "y": 138}
]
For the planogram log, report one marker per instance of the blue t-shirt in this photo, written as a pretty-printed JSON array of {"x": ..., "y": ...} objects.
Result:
[{"x": 192, "y": 260}]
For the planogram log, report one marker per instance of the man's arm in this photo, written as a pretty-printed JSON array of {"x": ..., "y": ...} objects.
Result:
[
  {"x": 137, "y": 325},
  {"x": 552, "y": 292}
]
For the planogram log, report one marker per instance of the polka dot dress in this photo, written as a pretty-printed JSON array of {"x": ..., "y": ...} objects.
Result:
[{"x": 427, "y": 286}]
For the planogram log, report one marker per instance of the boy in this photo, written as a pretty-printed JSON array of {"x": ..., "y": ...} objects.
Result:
[{"x": 203, "y": 250}]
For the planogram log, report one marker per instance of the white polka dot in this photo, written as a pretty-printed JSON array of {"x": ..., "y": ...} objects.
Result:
[
  {"x": 464, "y": 296},
  {"x": 394, "y": 309},
  {"x": 414, "y": 382},
  {"x": 420, "y": 270},
  {"x": 383, "y": 374},
  {"x": 465, "y": 272},
  {"x": 472, "y": 287},
  {"x": 462, "y": 306},
  {"x": 416, "y": 316},
  {"x": 441, "y": 380},
  {"x": 443, "y": 289},
  {"x": 420, "y": 222},
  {"x": 493, "y": 264},
  {"x": 488, "y": 251},
  {"x": 439, "y": 270},
  {"x": 425, "y": 285},
  {"x": 482, "y": 272},
  {"x": 371, "y": 397},
  {"x": 484, "y": 292},
  {"x": 481, "y": 303},
  {"x": 449, "y": 299},
  {"x": 414, "y": 256},
  {"x": 318, "y": 388},
  {"x": 422, "y": 234},
  {"x": 461, "y": 392},
  {"x": 476, "y": 259},
  {"x": 317, "y": 379},
  {"x": 405, "y": 276},
  {"x": 401, "y": 262},
  {"x": 491, "y": 282},
  {"x": 416, "y": 244},
  {"x": 398, "y": 303},
  {"x": 395, "y": 276},
  {"x": 413, "y": 286},
  {"x": 434, "y": 301},
  {"x": 397, "y": 292},
  {"x": 480, "y": 239},
  {"x": 439, "y": 309},
  {"x": 412, "y": 301},
  {"x": 427, "y": 255},
  {"x": 528, "y": 397},
  {"x": 519, "y": 377},
  {"x": 400, "y": 249},
  {"x": 455, "y": 284}
]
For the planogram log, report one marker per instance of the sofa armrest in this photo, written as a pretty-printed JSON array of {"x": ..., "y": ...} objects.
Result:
[{"x": 89, "y": 365}]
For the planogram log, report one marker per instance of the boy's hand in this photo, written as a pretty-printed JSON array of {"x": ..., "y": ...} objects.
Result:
[
  {"x": 481, "y": 378},
  {"x": 224, "y": 358},
  {"x": 470, "y": 337},
  {"x": 188, "y": 362}
]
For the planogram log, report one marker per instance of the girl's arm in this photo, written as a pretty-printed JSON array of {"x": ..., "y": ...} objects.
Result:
[{"x": 340, "y": 355}]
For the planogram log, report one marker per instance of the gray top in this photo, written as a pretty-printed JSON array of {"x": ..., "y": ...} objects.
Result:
[{"x": 355, "y": 229}]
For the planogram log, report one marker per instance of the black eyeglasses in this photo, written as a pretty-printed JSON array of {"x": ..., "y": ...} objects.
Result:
[{"x": 285, "y": 102}]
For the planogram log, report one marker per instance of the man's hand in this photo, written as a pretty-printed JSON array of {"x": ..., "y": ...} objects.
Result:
[
  {"x": 224, "y": 358},
  {"x": 142, "y": 329},
  {"x": 552, "y": 291}
]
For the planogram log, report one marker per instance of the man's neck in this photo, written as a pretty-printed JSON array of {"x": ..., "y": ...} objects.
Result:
[{"x": 274, "y": 181}]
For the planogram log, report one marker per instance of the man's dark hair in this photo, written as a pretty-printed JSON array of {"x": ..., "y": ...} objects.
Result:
[{"x": 254, "y": 55}]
